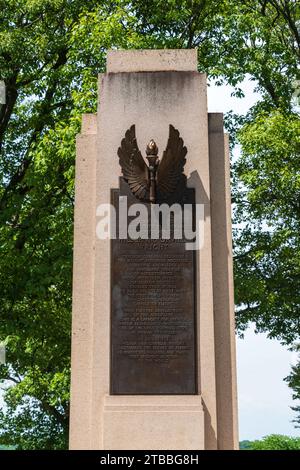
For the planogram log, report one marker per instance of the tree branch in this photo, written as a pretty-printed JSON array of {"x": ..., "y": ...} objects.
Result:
[
  {"x": 7, "y": 109},
  {"x": 41, "y": 122}
]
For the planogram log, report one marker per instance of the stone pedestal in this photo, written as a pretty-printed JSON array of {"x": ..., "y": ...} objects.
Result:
[{"x": 152, "y": 89}]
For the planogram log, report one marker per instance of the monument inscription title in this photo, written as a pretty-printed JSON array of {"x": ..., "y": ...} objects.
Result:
[{"x": 153, "y": 282}]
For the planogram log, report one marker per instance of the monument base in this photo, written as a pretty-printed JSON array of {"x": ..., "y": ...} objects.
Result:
[{"x": 153, "y": 422}]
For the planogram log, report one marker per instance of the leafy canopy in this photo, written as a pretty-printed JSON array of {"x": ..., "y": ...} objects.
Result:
[
  {"x": 50, "y": 54},
  {"x": 276, "y": 442}
]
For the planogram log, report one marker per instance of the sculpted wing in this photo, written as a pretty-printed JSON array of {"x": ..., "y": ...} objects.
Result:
[
  {"x": 170, "y": 170},
  {"x": 134, "y": 168}
]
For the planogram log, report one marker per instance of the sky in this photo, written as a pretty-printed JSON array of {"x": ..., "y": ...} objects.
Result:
[{"x": 264, "y": 398}]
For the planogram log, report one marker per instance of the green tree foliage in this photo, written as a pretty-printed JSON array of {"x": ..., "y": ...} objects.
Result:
[
  {"x": 44, "y": 99},
  {"x": 276, "y": 442},
  {"x": 293, "y": 381},
  {"x": 50, "y": 54},
  {"x": 245, "y": 445},
  {"x": 267, "y": 179},
  {"x": 268, "y": 239}
]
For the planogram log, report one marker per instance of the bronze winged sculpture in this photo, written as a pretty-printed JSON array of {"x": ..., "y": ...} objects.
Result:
[{"x": 160, "y": 179}]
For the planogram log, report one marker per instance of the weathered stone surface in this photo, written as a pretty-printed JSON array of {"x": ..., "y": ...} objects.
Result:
[{"x": 152, "y": 60}]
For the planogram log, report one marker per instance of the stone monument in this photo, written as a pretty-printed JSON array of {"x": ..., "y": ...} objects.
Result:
[{"x": 153, "y": 345}]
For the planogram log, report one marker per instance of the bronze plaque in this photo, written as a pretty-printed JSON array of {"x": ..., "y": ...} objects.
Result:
[{"x": 153, "y": 331}]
